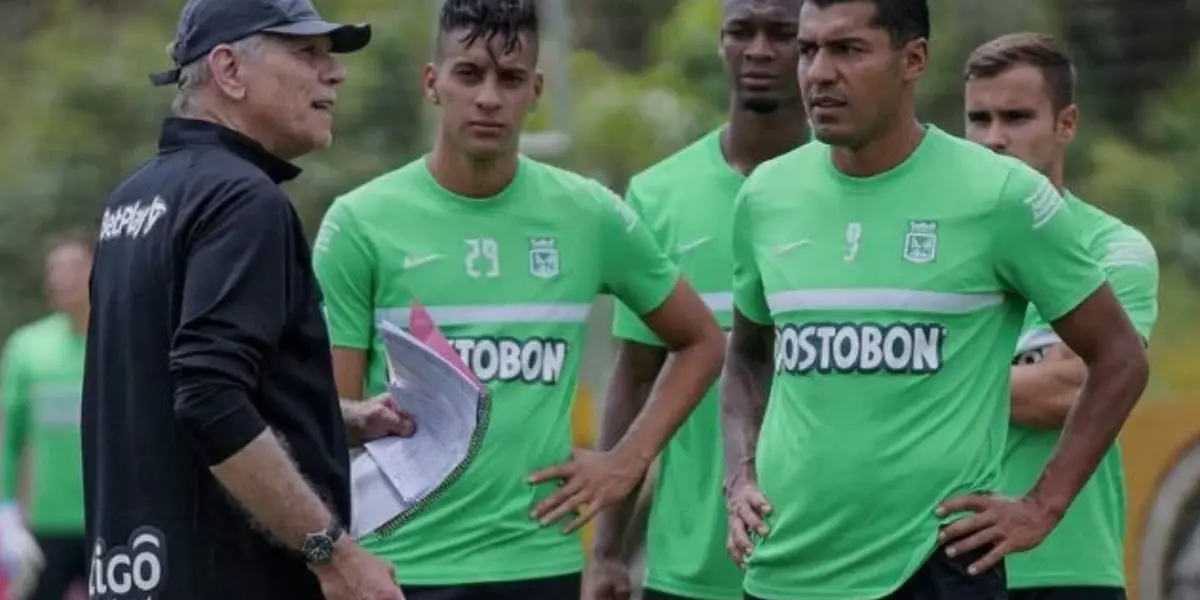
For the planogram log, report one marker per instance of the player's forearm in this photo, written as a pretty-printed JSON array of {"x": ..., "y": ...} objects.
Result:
[
  {"x": 627, "y": 396},
  {"x": 264, "y": 480},
  {"x": 745, "y": 387},
  {"x": 352, "y": 417},
  {"x": 1044, "y": 393},
  {"x": 686, "y": 377},
  {"x": 1113, "y": 387}
]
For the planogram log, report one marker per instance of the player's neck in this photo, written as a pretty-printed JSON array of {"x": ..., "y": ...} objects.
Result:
[
  {"x": 752, "y": 138},
  {"x": 470, "y": 177},
  {"x": 883, "y": 153},
  {"x": 1057, "y": 177},
  {"x": 79, "y": 320}
]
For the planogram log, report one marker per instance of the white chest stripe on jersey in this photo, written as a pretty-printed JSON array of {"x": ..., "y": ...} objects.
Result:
[
  {"x": 718, "y": 301},
  {"x": 898, "y": 300},
  {"x": 1036, "y": 339},
  {"x": 483, "y": 314}
]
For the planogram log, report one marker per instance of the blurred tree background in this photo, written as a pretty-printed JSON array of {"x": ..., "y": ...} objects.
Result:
[{"x": 644, "y": 81}]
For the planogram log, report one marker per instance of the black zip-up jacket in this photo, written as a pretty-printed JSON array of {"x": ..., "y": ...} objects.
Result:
[{"x": 206, "y": 328}]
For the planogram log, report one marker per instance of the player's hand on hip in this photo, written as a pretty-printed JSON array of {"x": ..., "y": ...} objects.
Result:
[
  {"x": 379, "y": 417},
  {"x": 1007, "y": 525},
  {"x": 747, "y": 509},
  {"x": 590, "y": 481},
  {"x": 608, "y": 579},
  {"x": 354, "y": 574}
]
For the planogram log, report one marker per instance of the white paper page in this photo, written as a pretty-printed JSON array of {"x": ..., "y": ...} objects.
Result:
[{"x": 375, "y": 501}]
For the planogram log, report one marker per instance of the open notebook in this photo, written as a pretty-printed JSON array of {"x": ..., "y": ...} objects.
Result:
[{"x": 396, "y": 477}]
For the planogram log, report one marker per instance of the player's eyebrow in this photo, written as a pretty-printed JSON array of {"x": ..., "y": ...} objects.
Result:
[{"x": 844, "y": 40}]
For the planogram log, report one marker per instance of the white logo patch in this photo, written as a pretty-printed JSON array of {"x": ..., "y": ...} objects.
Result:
[
  {"x": 536, "y": 360},
  {"x": 859, "y": 348},
  {"x": 543, "y": 257},
  {"x": 789, "y": 246},
  {"x": 131, "y": 572},
  {"x": 412, "y": 262},
  {"x": 921, "y": 242},
  {"x": 682, "y": 249},
  {"x": 131, "y": 220}
]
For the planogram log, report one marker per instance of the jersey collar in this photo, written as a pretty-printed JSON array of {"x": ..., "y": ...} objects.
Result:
[{"x": 178, "y": 133}]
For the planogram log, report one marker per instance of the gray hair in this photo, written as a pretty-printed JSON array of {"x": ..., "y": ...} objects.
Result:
[{"x": 195, "y": 75}]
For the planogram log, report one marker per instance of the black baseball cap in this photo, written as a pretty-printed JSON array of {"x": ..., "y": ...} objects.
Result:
[{"x": 206, "y": 24}]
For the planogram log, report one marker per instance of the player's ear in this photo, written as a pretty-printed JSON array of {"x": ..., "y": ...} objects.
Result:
[
  {"x": 539, "y": 82},
  {"x": 916, "y": 58},
  {"x": 1068, "y": 123},
  {"x": 429, "y": 84}
]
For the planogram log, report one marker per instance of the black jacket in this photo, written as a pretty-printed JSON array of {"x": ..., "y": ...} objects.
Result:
[{"x": 206, "y": 328}]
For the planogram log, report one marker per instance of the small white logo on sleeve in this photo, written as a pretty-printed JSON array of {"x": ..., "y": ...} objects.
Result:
[{"x": 134, "y": 571}]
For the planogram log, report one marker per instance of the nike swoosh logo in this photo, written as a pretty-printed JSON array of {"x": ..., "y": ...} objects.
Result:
[
  {"x": 412, "y": 262},
  {"x": 781, "y": 248},
  {"x": 692, "y": 245}
]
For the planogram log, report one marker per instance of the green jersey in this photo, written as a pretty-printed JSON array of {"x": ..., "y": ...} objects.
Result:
[
  {"x": 897, "y": 301},
  {"x": 510, "y": 280},
  {"x": 41, "y": 379},
  {"x": 687, "y": 201},
  {"x": 1087, "y": 547}
]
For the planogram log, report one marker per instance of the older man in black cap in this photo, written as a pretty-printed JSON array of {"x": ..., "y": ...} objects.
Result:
[{"x": 215, "y": 449}]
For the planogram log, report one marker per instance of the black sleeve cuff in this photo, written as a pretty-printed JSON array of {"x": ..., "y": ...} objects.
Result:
[{"x": 221, "y": 424}]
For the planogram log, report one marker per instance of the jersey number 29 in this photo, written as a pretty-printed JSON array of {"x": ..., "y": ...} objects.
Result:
[{"x": 486, "y": 251}]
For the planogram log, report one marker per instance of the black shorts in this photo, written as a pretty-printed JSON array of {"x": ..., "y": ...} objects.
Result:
[
  {"x": 563, "y": 587},
  {"x": 1068, "y": 593},
  {"x": 945, "y": 578},
  {"x": 66, "y": 563}
]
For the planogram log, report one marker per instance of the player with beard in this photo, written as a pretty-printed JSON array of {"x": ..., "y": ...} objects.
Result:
[
  {"x": 687, "y": 201},
  {"x": 881, "y": 278},
  {"x": 1020, "y": 101},
  {"x": 508, "y": 254}
]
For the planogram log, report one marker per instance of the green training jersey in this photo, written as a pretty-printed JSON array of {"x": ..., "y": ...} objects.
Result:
[
  {"x": 510, "y": 280},
  {"x": 1087, "y": 548},
  {"x": 687, "y": 201},
  {"x": 897, "y": 300},
  {"x": 41, "y": 379}
]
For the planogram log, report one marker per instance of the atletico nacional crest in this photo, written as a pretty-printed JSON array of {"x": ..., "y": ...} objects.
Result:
[
  {"x": 543, "y": 257},
  {"x": 920, "y": 245}
]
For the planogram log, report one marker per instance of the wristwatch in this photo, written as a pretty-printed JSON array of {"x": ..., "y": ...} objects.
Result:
[{"x": 318, "y": 547}]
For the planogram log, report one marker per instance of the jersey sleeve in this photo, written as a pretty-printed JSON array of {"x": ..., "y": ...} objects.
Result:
[
  {"x": 626, "y": 323},
  {"x": 748, "y": 295},
  {"x": 636, "y": 271},
  {"x": 15, "y": 396},
  {"x": 1040, "y": 250},
  {"x": 1131, "y": 266},
  {"x": 343, "y": 261}
]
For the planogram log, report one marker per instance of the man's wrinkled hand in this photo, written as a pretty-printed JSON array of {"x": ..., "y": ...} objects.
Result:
[
  {"x": 591, "y": 481},
  {"x": 379, "y": 417},
  {"x": 354, "y": 574},
  {"x": 1007, "y": 525},
  {"x": 747, "y": 509},
  {"x": 608, "y": 579}
]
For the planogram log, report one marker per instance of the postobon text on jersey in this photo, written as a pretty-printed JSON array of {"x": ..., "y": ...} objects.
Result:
[{"x": 863, "y": 348}]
